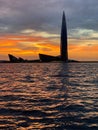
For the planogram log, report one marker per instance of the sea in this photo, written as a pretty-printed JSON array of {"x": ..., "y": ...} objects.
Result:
[{"x": 49, "y": 96}]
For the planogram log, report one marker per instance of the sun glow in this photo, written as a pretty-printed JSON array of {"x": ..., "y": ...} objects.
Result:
[{"x": 29, "y": 47}]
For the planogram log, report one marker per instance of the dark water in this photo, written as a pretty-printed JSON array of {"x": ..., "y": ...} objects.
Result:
[{"x": 49, "y": 96}]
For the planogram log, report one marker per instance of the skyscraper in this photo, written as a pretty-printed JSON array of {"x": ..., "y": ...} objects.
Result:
[{"x": 64, "y": 47}]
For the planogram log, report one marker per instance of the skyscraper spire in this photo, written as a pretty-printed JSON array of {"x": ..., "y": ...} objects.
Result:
[{"x": 64, "y": 49}]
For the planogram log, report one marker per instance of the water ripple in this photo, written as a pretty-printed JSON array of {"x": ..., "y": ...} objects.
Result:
[{"x": 54, "y": 96}]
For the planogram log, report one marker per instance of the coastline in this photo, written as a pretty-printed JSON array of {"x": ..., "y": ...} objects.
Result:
[{"x": 38, "y": 61}]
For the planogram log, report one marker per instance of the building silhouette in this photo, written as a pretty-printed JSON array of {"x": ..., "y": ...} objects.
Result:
[
  {"x": 14, "y": 59},
  {"x": 64, "y": 46},
  {"x": 48, "y": 58}
]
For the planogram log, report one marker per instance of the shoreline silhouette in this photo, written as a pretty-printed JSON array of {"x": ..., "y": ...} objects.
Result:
[{"x": 49, "y": 58}]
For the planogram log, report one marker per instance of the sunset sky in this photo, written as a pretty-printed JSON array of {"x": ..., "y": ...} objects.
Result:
[{"x": 30, "y": 27}]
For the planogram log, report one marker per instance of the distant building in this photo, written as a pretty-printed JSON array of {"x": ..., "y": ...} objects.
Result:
[
  {"x": 48, "y": 58},
  {"x": 14, "y": 59},
  {"x": 63, "y": 46}
]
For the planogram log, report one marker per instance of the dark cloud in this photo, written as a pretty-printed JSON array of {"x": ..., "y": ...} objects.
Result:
[{"x": 18, "y": 15}]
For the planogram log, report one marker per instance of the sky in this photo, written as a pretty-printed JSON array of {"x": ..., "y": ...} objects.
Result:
[{"x": 30, "y": 27}]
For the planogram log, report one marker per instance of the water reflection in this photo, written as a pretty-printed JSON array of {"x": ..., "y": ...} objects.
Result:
[{"x": 49, "y": 96}]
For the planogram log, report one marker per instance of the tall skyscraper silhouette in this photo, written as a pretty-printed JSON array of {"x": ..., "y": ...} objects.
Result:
[{"x": 64, "y": 46}]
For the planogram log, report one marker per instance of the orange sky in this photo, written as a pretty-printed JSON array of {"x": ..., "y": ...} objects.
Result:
[
  {"x": 30, "y": 27},
  {"x": 29, "y": 47},
  {"x": 26, "y": 46}
]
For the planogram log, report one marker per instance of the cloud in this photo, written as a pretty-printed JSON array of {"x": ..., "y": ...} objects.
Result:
[
  {"x": 35, "y": 33},
  {"x": 27, "y": 46},
  {"x": 26, "y": 24},
  {"x": 46, "y": 15},
  {"x": 83, "y": 34}
]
